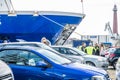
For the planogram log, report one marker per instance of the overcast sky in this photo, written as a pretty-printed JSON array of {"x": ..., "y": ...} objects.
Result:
[{"x": 98, "y": 12}]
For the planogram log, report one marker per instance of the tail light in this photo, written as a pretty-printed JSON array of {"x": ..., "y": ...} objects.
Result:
[{"x": 112, "y": 55}]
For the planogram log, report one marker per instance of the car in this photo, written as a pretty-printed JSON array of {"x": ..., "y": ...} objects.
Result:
[
  {"x": 41, "y": 45},
  {"x": 118, "y": 70},
  {"x": 114, "y": 54},
  {"x": 106, "y": 53},
  {"x": 92, "y": 60},
  {"x": 5, "y": 72},
  {"x": 34, "y": 63}
]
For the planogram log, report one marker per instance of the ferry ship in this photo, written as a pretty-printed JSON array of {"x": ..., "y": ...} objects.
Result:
[{"x": 33, "y": 25}]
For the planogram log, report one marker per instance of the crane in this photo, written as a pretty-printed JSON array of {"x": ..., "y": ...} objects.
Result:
[
  {"x": 107, "y": 27},
  {"x": 115, "y": 37}
]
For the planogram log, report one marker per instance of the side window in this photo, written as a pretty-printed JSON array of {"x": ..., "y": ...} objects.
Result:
[
  {"x": 20, "y": 57},
  {"x": 9, "y": 56},
  {"x": 57, "y": 49},
  {"x": 23, "y": 57},
  {"x": 71, "y": 52},
  {"x": 34, "y": 59},
  {"x": 3, "y": 55},
  {"x": 28, "y": 58},
  {"x": 63, "y": 51}
]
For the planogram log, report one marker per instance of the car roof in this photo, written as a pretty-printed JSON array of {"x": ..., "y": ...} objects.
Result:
[
  {"x": 114, "y": 48},
  {"x": 61, "y": 46},
  {"x": 21, "y": 47},
  {"x": 21, "y": 43}
]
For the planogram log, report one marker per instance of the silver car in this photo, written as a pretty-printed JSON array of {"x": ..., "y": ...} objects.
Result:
[
  {"x": 97, "y": 61},
  {"x": 118, "y": 70},
  {"x": 41, "y": 45},
  {"x": 5, "y": 72}
]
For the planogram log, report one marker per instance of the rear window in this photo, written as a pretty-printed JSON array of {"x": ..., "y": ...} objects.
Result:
[{"x": 118, "y": 51}]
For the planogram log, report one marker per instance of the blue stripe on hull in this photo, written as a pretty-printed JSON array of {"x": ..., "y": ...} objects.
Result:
[{"x": 33, "y": 28}]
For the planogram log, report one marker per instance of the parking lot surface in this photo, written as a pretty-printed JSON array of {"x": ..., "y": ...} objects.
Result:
[{"x": 111, "y": 73}]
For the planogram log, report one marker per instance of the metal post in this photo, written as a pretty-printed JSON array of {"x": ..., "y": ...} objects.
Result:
[{"x": 98, "y": 39}]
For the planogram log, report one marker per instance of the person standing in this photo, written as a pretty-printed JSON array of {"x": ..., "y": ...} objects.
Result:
[
  {"x": 97, "y": 49},
  {"x": 101, "y": 49},
  {"x": 90, "y": 49},
  {"x": 82, "y": 47}
]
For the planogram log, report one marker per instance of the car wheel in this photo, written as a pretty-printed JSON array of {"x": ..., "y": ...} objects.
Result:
[
  {"x": 90, "y": 63},
  {"x": 114, "y": 64}
]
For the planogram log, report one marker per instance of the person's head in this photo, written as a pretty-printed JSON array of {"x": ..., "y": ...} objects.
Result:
[
  {"x": 84, "y": 44},
  {"x": 102, "y": 45},
  {"x": 96, "y": 44},
  {"x": 90, "y": 44},
  {"x": 44, "y": 40}
]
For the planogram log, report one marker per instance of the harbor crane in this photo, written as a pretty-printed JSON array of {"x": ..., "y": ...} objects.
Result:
[
  {"x": 107, "y": 27},
  {"x": 113, "y": 36}
]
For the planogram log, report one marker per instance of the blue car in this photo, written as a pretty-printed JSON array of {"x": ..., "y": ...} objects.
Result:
[{"x": 32, "y": 63}]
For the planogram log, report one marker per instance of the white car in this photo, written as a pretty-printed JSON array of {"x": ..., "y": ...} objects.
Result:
[
  {"x": 5, "y": 72},
  {"x": 118, "y": 70}
]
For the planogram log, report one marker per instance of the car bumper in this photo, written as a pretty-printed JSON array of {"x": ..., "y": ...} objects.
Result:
[{"x": 103, "y": 65}]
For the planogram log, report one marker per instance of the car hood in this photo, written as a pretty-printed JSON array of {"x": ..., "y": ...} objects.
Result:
[
  {"x": 76, "y": 57},
  {"x": 93, "y": 56},
  {"x": 84, "y": 69}
]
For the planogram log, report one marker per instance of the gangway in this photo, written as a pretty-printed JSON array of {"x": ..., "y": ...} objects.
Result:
[{"x": 67, "y": 31}]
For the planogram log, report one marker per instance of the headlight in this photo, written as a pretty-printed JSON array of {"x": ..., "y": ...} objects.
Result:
[{"x": 98, "y": 78}]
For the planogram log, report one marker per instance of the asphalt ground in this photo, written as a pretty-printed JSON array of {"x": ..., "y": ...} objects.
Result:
[{"x": 111, "y": 73}]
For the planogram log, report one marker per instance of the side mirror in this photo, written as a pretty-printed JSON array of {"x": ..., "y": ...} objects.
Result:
[{"x": 42, "y": 64}]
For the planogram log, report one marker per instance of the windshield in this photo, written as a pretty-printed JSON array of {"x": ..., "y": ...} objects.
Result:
[
  {"x": 79, "y": 52},
  {"x": 55, "y": 57},
  {"x": 44, "y": 46}
]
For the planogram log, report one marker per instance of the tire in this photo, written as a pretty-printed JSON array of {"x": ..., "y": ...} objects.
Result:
[
  {"x": 90, "y": 63},
  {"x": 114, "y": 64}
]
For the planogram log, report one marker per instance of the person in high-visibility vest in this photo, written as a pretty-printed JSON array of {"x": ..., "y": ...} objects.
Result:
[
  {"x": 90, "y": 49},
  {"x": 82, "y": 47}
]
